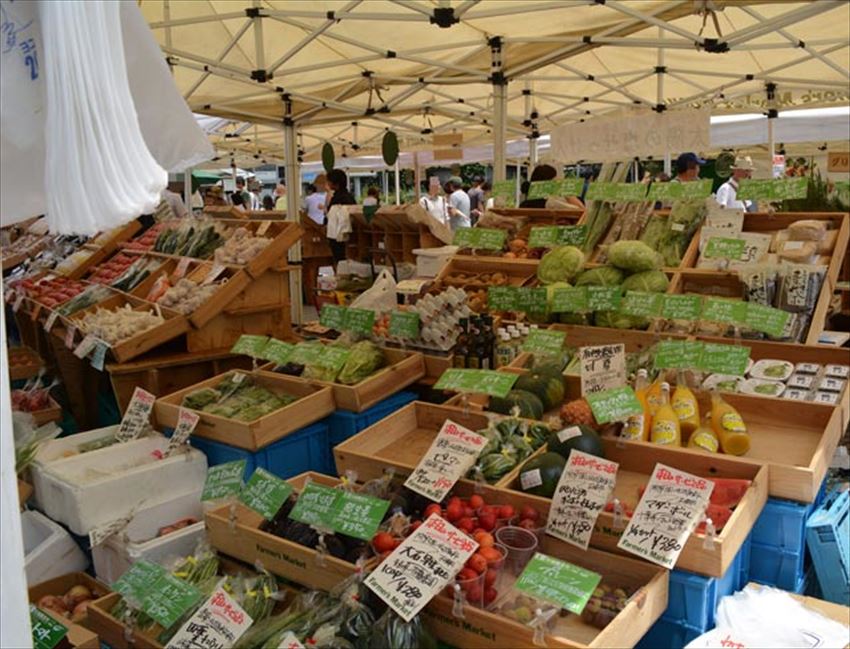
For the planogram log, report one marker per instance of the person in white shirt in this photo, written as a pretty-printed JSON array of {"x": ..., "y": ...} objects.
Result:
[
  {"x": 458, "y": 205},
  {"x": 280, "y": 197},
  {"x": 434, "y": 203},
  {"x": 727, "y": 193},
  {"x": 254, "y": 194},
  {"x": 314, "y": 204}
]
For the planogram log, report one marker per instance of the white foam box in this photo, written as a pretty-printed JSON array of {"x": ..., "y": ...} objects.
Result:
[
  {"x": 49, "y": 551},
  {"x": 89, "y": 490},
  {"x": 139, "y": 539},
  {"x": 430, "y": 261}
]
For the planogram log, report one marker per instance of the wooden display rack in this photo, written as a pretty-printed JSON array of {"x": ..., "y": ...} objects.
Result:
[
  {"x": 392, "y": 229},
  {"x": 103, "y": 246}
]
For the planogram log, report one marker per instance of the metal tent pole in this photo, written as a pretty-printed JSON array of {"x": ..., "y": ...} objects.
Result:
[
  {"x": 500, "y": 109},
  {"x": 397, "y": 183},
  {"x": 187, "y": 189},
  {"x": 293, "y": 201},
  {"x": 385, "y": 181},
  {"x": 660, "y": 71},
  {"x": 417, "y": 175}
]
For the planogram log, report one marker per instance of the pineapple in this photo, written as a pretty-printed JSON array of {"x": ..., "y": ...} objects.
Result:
[{"x": 578, "y": 412}]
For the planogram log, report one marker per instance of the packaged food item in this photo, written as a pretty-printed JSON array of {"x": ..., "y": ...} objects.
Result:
[
  {"x": 809, "y": 368},
  {"x": 685, "y": 406},
  {"x": 762, "y": 388},
  {"x": 705, "y": 438},
  {"x": 838, "y": 371},
  {"x": 807, "y": 230},
  {"x": 637, "y": 426},
  {"x": 795, "y": 394},
  {"x": 830, "y": 384},
  {"x": 799, "y": 287},
  {"x": 723, "y": 383},
  {"x": 759, "y": 284},
  {"x": 799, "y": 252},
  {"x": 772, "y": 369},
  {"x": 830, "y": 398},
  {"x": 729, "y": 426},
  {"x": 801, "y": 381},
  {"x": 665, "y": 427},
  {"x": 654, "y": 396}
]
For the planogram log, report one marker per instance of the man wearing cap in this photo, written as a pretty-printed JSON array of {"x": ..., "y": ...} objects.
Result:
[
  {"x": 458, "y": 205},
  {"x": 687, "y": 167},
  {"x": 727, "y": 193}
]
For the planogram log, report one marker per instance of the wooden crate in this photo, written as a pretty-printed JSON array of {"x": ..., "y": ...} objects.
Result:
[
  {"x": 481, "y": 629},
  {"x": 517, "y": 271},
  {"x": 227, "y": 327},
  {"x": 112, "y": 631},
  {"x": 102, "y": 246},
  {"x": 78, "y": 637},
  {"x": 283, "y": 235},
  {"x": 60, "y": 585},
  {"x": 163, "y": 373},
  {"x": 174, "y": 325},
  {"x": 27, "y": 363},
  {"x": 403, "y": 368},
  {"x": 242, "y": 539},
  {"x": 314, "y": 403},
  {"x": 53, "y": 412}
]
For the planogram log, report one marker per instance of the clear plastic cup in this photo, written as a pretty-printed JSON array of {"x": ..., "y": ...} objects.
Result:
[
  {"x": 494, "y": 567},
  {"x": 473, "y": 590},
  {"x": 521, "y": 544},
  {"x": 539, "y": 530}
]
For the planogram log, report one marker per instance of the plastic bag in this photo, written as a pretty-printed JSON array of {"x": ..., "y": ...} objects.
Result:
[{"x": 380, "y": 297}]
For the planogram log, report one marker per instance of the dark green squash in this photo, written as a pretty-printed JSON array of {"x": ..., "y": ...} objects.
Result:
[{"x": 530, "y": 405}]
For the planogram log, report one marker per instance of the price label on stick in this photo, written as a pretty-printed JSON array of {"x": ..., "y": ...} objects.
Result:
[
  {"x": 570, "y": 300},
  {"x": 137, "y": 415},
  {"x": 404, "y": 324},
  {"x": 496, "y": 384},
  {"x": 98, "y": 357},
  {"x": 50, "y": 321},
  {"x": 773, "y": 190},
  {"x": 332, "y": 316},
  {"x": 641, "y": 304},
  {"x": 572, "y": 235},
  {"x": 665, "y": 517},
  {"x": 277, "y": 351},
  {"x": 602, "y": 367},
  {"x": 46, "y": 632},
  {"x": 724, "y": 359},
  {"x": 546, "y": 236},
  {"x": 348, "y": 513},
  {"x": 681, "y": 307},
  {"x": 421, "y": 566},
  {"x": 531, "y": 300},
  {"x": 250, "y": 346},
  {"x": 314, "y": 504},
  {"x": 724, "y": 248},
  {"x": 359, "y": 321},
  {"x": 560, "y": 583},
  {"x": 603, "y": 298},
  {"x": 585, "y": 486},
  {"x": 677, "y": 354},
  {"x": 186, "y": 422},
  {"x": 332, "y": 358},
  {"x": 224, "y": 480},
  {"x": 138, "y": 580},
  {"x": 169, "y": 598},
  {"x": 265, "y": 493},
  {"x": 766, "y": 319},
  {"x": 85, "y": 347},
  {"x": 306, "y": 353},
  {"x": 717, "y": 309},
  {"x": 480, "y": 238},
  {"x": 218, "y": 623},
  {"x": 502, "y": 298},
  {"x": 541, "y": 341},
  {"x": 614, "y": 405},
  {"x": 506, "y": 190},
  {"x": 450, "y": 456}
]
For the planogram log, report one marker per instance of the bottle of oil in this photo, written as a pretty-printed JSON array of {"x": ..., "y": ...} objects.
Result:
[
  {"x": 637, "y": 426},
  {"x": 665, "y": 424}
]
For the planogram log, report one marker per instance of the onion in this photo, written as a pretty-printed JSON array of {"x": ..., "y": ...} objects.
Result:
[
  {"x": 77, "y": 594},
  {"x": 53, "y": 603},
  {"x": 80, "y": 610}
]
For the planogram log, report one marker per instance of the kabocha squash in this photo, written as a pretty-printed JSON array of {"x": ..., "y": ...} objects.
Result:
[
  {"x": 548, "y": 388},
  {"x": 529, "y": 404}
]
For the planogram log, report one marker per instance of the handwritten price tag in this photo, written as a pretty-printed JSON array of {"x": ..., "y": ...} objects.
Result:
[
  {"x": 277, "y": 351},
  {"x": 265, "y": 493},
  {"x": 450, "y": 456},
  {"x": 138, "y": 580},
  {"x": 602, "y": 367},
  {"x": 541, "y": 341},
  {"x": 98, "y": 357},
  {"x": 224, "y": 480},
  {"x": 558, "y": 582},
  {"x": 404, "y": 324},
  {"x": 585, "y": 486},
  {"x": 218, "y": 623},
  {"x": 186, "y": 422},
  {"x": 85, "y": 347},
  {"x": 666, "y": 516},
  {"x": 169, "y": 598},
  {"x": 421, "y": 566},
  {"x": 724, "y": 248},
  {"x": 616, "y": 404},
  {"x": 136, "y": 417},
  {"x": 681, "y": 307},
  {"x": 342, "y": 511},
  {"x": 570, "y": 300},
  {"x": 332, "y": 316},
  {"x": 250, "y": 345},
  {"x": 50, "y": 321}
]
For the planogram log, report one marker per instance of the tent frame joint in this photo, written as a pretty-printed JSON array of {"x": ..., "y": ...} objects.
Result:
[
  {"x": 444, "y": 17},
  {"x": 715, "y": 46},
  {"x": 261, "y": 75}
]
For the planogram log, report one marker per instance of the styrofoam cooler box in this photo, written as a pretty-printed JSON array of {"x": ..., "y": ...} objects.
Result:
[
  {"x": 139, "y": 540},
  {"x": 89, "y": 490},
  {"x": 49, "y": 550},
  {"x": 430, "y": 261}
]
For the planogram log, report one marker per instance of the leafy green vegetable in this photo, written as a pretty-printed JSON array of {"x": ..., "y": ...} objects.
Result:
[
  {"x": 602, "y": 276},
  {"x": 651, "y": 281},
  {"x": 633, "y": 256},
  {"x": 560, "y": 264},
  {"x": 364, "y": 360}
]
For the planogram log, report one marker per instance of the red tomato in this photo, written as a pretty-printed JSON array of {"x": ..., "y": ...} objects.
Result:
[
  {"x": 476, "y": 501},
  {"x": 383, "y": 542}
]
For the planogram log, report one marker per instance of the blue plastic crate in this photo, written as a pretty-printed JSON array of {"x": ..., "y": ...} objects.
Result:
[
  {"x": 782, "y": 523},
  {"x": 218, "y": 453},
  {"x": 344, "y": 424},
  {"x": 693, "y": 598},
  {"x": 828, "y": 536},
  {"x": 669, "y": 635},
  {"x": 775, "y": 567}
]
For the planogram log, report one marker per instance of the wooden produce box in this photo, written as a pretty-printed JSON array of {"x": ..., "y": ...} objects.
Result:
[
  {"x": 24, "y": 363},
  {"x": 242, "y": 539},
  {"x": 114, "y": 632},
  {"x": 61, "y": 585},
  {"x": 223, "y": 330},
  {"x": 315, "y": 402},
  {"x": 79, "y": 637},
  {"x": 481, "y": 629},
  {"x": 174, "y": 325},
  {"x": 52, "y": 413},
  {"x": 283, "y": 235},
  {"x": 402, "y": 369},
  {"x": 635, "y": 470},
  {"x": 103, "y": 245}
]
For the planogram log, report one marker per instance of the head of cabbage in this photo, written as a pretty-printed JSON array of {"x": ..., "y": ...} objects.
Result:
[
  {"x": 560, "y": 264},
  {"x": 617, "y": 320},
  {"x": 649, "y": 281},
  {"x": 602, "y": 276},
  {"x": 633, "y": 256}
]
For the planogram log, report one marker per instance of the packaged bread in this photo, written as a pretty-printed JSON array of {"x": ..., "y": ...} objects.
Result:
[
  {"x": 807, "y": 230},
  {"x": 798, "y": 252},
  {"x": 827, "y": 244},
  {"x": 778, "y": 240}
]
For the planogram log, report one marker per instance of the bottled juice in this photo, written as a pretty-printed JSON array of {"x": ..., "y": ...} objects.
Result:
[
  {"x": 653, "y": 396},
  {"x": 685, "y": 406},
  {"x": 729, "y": 427},
  {"x": 665, "y": 424},
  {"x": 703, "y": 438},
  {"x": 637, "y": 426}
]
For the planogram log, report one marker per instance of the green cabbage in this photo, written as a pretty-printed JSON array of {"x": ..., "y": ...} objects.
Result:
[
  {"x": 650, "y": 281},
  {"x": 560, "y": 264},
  {"x": 363, "y": 361},
  {"x": 618, "y": 320},
  {"x": 633, "y": 256},
  {"x": 602, "y": 276}
]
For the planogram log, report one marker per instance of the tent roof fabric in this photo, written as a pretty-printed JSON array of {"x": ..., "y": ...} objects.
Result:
[{"x": 388, "y": 64}]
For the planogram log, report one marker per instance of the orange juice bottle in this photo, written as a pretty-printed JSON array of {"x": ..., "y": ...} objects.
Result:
[
  {"x": 729, "y": 427},
  {"x": 704, "y": 438},
  {"x": 637, "y": 426},
  {"x": 685, "y": 406},
  {"x": 665, "y": 424},
  {"x": 653, "y": 396}
]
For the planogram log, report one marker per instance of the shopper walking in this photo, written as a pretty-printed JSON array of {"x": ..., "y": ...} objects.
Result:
[
  {"x": 435, "y": 203},
  {"x": 256, "y": 202},
  {"x": 727, "y": 193},
  {"x": 476, "y": 195},
  {"x": 280, "y": 197},
  {"x": 338, "y": 184},
  {"x": 240, "y": 189},
  {"x": 458, "y": 205},
  {"x": 687, "y": 168},
  {"x": 373, "y": 197},
  {"x": 314, "y": 203}
]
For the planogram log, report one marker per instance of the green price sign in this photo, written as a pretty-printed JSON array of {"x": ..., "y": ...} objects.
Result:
[
  {"x": 404, "y": 324},
  {"x": 541, "y": 341},
  {"x": 617, "y": 192},
  {"x": 505, "y": 189},
  {"x": 313, "y": 504},
  {"x": 572, "y": 235},
  {"x": 677, "y": 355},
  {"x": 546, "y": 236},
  {"x": 544, "y": 189},
  {"x": 359, "y": 321},
  {"x": 348, "y": 513},
  {"x": 681, "y": 307},
  {"x": 169, "y": 598},
  {"x": 480, "y": 238},
  {"x": 277, "y": 351},
  {"x": 46, "y": 632},
  {"x": 502, "y": 298},
  {"x": 616, "y": 404},
  {"x": 717, "y": 309},
  {"x": 496, "y": 384},
  {"x": 674, "y": 191},
  {"x": 724, "y": 248},
  {"x": 250, "y": 346},
  {"x": 724, "y": 359},
  {"x": 306, "y": 353},
  {"x": 332, "y": 316},
  {"x": 766, "y": 319},
  {"x": 558, "y": 582},
  {"x": 265, "y": 493},
  {"x": 603, "y": 298},
  {"x": 642, "y": 304},
  {"x": 138, "y": 580},
  {"x": 333, "y": 358},
  {"x": 224, "y": 480},
  {"x": 570, "y": 300},
  {"x": 531, "y": 300},
  {"x": 773, "y": 190}
]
